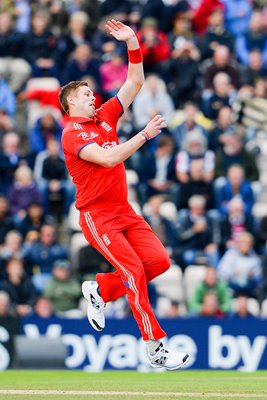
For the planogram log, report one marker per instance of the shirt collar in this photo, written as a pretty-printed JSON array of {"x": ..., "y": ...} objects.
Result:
[{"x": 81, "y": 120}]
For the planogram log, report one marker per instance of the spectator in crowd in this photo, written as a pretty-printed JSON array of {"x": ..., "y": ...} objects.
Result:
[
  {"x": 33, "y": 220},
  {"x": 181, "y": 35},
  {"x": 241, "y": 267},
  {"x": 82, "y": 63},
  {"x": 154, "y": 45},
  {"x": 195, "y": 147},
  {"x": 63, "y": 289},
  {"x": 256, "y": 69},
  {"x": 113, "y": 73},
  {"x": 10, "y": 159},
  {"x": 190, "y": 122},
  {"x": 43, "y": 308},
  {"x": 13, "y": 66},
  {"x": 157, "y": 174},
  {"x": 174, "y": 310},
  {"x": 234, "y": 223},
  {"x": 237, "y": 16},
  {"x": 22, "y": 193},
  {"x": 163, "y": 228},
  {"x": 6, "y": 221},
  {"x": 52, "y": 177},
  {"x": 241, "y": 309},
  {"x": 183, "y": 71},
  {"x": 210, "y": 306},
  {"x": 152, "y": 99},
  {"x": 45, "y": 128},
  {"x": 250, "y": 109},
  {"x": 221, "y": 62},
  {"x": 261, "y": 235},
  {"x": 210, "y": 284},
  {"x": 7, "y": 99},
  {"x": 5, "y": 309},
  {"x": 196, "y": 185},
  {"x": 223, "y": 124},
  {"x": 223, "y": 95},
  {"x": 77, "y": 34},
  {"x": 233, "y": 151},
  {"x": 102, "y": 43},
  {"x": 41, "y": 255},
  {"x": 42, "y": 47},
  {"x": 12, "y": 248},
  {"x": 91, "y": 262},
  {"x": 254, "y": 38},
  {"x": 22, "y": 11},
  {"x": 235, "y": 186},
  {"x": 201, "y": 14},
  {"x": 197, "y": 235},
  {"x": 19, "y": 287},
  {"x": 215, "y": 35}
]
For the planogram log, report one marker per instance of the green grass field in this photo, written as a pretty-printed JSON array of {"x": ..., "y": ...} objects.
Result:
[{"x": 117, "y": 385}]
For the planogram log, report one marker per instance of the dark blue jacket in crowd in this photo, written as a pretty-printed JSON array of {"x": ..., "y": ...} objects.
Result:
[
  {"x": 248, "y": 42},
  {"x": 12, "y": 44},
  {"x": 148, "y": 168},
  {"x": 246, "y": 194},
  {"x": 37, "y": 136},
  {"x": 44, "y": 256},
  {"x": 75, "y": 72}
]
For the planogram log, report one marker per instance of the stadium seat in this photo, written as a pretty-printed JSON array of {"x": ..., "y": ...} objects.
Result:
[
  {"x": 168, "y": 210},
  {"x": 170, "y": 284},
  {"x": 193, "y": 275},
  {"x": 136, "y": 206},
  {"x": 35, "y": 111},
  {"x": 264, "y": 308},
  {"x": 132, "y": 181},
  {"x": 73, "y": 219},
  {"x": 76, "y": 243}
]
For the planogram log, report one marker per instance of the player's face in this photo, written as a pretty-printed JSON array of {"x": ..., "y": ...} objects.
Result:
[{"x": 85, "y": 102}]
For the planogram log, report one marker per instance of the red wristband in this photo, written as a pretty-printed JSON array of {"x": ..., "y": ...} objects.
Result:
[
  {"x": 135, "y": 56},
  {"x": 146, "y": 135}
]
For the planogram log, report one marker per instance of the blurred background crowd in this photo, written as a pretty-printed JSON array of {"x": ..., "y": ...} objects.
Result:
[{"x": 201, "y": 184}]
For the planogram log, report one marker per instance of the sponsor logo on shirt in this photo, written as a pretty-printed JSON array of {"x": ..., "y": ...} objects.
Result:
[
  {"x": 109, "y": 145},
  {"x": 87, "y": 136},
  {"x": 106, "y": 126}
]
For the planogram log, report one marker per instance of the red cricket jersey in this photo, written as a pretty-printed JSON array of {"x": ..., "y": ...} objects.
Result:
[{"x": 95, "y": 184}]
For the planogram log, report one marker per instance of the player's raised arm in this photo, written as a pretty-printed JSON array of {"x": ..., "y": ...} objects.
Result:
[{"x": 135, "y": 77}]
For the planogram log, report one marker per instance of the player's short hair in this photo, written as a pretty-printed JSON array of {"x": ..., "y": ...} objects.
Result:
[{"x": 68, "y": 89}]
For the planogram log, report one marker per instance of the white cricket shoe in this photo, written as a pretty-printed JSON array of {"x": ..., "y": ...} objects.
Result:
[
  {"x": 96, "y": 305},
  {"x": 170, "y": 359}
]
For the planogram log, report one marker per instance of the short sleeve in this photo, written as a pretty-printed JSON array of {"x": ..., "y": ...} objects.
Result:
[
  {"x": 111, "y": 111},
  {"x": 73, "y": 142}
]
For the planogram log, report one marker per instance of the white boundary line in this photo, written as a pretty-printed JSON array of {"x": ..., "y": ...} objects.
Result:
[{"x": 116, "y": 393}]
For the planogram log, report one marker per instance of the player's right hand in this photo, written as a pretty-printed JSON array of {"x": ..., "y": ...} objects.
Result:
[{"x": 153, "y": 128}]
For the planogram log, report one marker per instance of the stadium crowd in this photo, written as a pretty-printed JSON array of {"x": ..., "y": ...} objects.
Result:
[{"x": 205, "y": 63}]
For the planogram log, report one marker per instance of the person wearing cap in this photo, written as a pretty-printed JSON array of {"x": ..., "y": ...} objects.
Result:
[
  {"x": 63, "y": 289},
  {"x": 153, "y": 44}
]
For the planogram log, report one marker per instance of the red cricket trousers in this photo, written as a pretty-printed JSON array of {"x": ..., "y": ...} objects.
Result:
[{"x": 129, "y": 244}]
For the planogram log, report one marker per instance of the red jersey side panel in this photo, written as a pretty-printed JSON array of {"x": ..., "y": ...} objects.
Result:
[{"x": 95, "y": 184}]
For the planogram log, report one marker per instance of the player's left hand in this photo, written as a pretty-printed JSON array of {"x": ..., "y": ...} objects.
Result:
[{"x": 119, "y": 30}]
